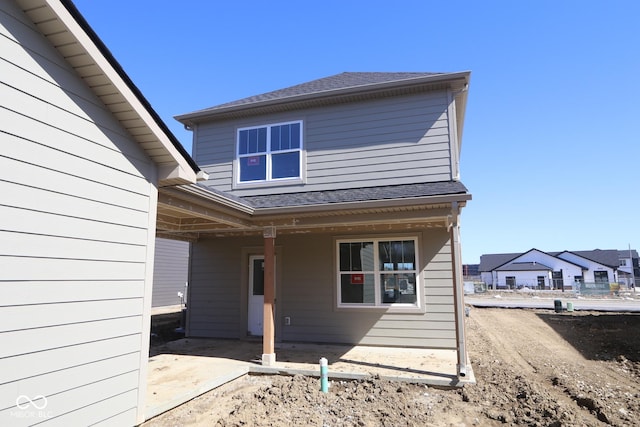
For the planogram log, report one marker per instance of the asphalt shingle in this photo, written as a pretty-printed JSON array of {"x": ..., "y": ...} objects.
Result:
[
  {"x": 355, "y": 195},
  {"x": 338, "y": 81}
]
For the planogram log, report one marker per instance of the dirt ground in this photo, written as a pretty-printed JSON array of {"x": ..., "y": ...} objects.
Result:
[{"x": 533, "y": 367}]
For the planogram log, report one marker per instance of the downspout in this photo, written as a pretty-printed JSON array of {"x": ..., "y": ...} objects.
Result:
[{"x": 458, "y": 295}]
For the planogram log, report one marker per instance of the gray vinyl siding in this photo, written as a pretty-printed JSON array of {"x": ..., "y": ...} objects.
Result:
[
  {"x": 399, "y": 140},
  {"x": 306, "y": 289},
  {"x": 76, "y": 220},
  {"x": 215, "y": 288},
  {"x": 170, "y": 271}
]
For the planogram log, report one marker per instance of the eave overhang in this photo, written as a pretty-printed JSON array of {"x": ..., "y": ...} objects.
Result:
[
  {"x": 191, "y": 212},
  {"x": 63, "y": 25}
]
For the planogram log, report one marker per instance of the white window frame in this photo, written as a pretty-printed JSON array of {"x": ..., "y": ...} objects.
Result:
[
  {"x": 417, "y": 307},
  {"x": 269, "y": 181}
]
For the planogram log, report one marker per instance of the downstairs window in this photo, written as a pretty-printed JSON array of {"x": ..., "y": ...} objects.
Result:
[{"x": 377, "y": 273}]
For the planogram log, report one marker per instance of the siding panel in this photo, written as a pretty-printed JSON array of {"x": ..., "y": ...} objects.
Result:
[
  {"x": 349, "y": 145},
  {"x": 48, "y": 292},
  {"x": 47, "y": 223},
  {"x": 41, "y": 316},
  {"x": 76, "y": 224},
  {"x": 306, "y": 294},
  {"x": 170, "y": 271}
]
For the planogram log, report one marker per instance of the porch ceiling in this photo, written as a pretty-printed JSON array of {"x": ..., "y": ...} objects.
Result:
[{"x": 184, "y": 215}]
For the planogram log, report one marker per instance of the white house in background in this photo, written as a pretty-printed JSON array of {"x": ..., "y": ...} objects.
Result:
[
  {"x": 536, "y": 269},
  {"x": 82, "y": 156}
]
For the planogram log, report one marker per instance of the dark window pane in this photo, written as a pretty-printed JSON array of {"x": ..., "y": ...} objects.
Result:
[
  {"x": 285, "y": 165},
  {"x": 396, "y": 255},
  {"x": 357, "y": 288},
  {"x": 350, "y": 293},
  {"x": 398, "y": 288},
  {"x": 284, "y": 137},
  {"x": 243, "y": 142},
  {"x": 275, "y": 138},
  {"x": 345, "y": 257},
  {"x": 253, "y": 168},
  {"x": 356, "y": 256},
  {"x": 258, "y": 277},
  {"x": 262, "y": 140},
  {"x": 295, "y": 135},
  {"x": 253, "y": 141}
]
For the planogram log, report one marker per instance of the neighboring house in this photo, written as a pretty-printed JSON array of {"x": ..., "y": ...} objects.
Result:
[
  {"x": 170, "y": 273},
  {"x": 82, "y": 156},
  {"x": 471, "y": 271},
  {"x": 629, "y": 269},
  {"x": 536, "y": 269},
  {"x": 331, "y": 214}
]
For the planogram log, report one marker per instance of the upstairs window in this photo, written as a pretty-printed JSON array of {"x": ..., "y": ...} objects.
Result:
[{"x": 270, "y": 153}]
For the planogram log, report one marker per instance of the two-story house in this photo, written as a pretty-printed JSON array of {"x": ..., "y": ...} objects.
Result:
[{"x": 331, "y": 214}]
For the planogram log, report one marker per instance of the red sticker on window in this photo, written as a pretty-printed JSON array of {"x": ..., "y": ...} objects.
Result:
[
  {"x": 357, "y": 279},
  {"x": 253, "y": 161}
]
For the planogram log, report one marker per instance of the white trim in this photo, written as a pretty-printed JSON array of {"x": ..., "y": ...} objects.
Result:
[
  {"x": 146, "y": 301},
  {"x": 418, "y": 306},
  {"x": 454, "y": 144}
]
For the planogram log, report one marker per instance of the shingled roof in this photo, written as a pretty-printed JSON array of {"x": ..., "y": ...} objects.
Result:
[
  {"x": 388, "y": 192},
  {"x": 342, "y": 84}
]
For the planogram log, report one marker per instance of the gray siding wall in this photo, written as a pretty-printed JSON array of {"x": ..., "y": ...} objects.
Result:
[
  {"x": 397, "y": 140},
  {"x": 76, "y": 205},
  {"x": 306, "y": 289},
  {"x": 215, "y": 288},
  {"x": 170, "y": 271}
]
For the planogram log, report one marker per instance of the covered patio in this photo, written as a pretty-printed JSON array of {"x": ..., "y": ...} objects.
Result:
[
  {"x": 182, "y": 370},
  {"x": 193, "y": 212}
]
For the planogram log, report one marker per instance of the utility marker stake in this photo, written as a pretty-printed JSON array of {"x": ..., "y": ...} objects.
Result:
[{"x": 324, "y": 375}]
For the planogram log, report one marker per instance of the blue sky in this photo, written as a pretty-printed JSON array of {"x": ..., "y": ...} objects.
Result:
[{"x": 550, "y": 151}]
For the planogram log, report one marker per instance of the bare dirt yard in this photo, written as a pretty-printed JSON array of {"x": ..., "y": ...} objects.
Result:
[{"x": 533, "y": 368}]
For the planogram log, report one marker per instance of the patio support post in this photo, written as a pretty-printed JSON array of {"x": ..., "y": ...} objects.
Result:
[
  {"x": 268, "y": 333},
  {"x": 458, "y": 295}
]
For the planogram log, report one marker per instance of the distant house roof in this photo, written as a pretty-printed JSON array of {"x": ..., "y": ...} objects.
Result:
[
  {"x": 625, "y": 253},
  {"x": 344, "y": 87},
  {"x": 607, "y": 257},
  {"x": 524, "y": 266},
  {"x": 489, "y": 262}
]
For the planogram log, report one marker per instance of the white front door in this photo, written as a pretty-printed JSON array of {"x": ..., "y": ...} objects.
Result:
[{"x": 256, "y": 295}]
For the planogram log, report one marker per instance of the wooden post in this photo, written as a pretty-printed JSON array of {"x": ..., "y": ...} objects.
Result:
[{"x": 268, "y": 333}]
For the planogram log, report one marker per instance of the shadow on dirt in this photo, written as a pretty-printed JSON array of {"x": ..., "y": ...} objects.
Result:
[{"x": 599, "y": 336}]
